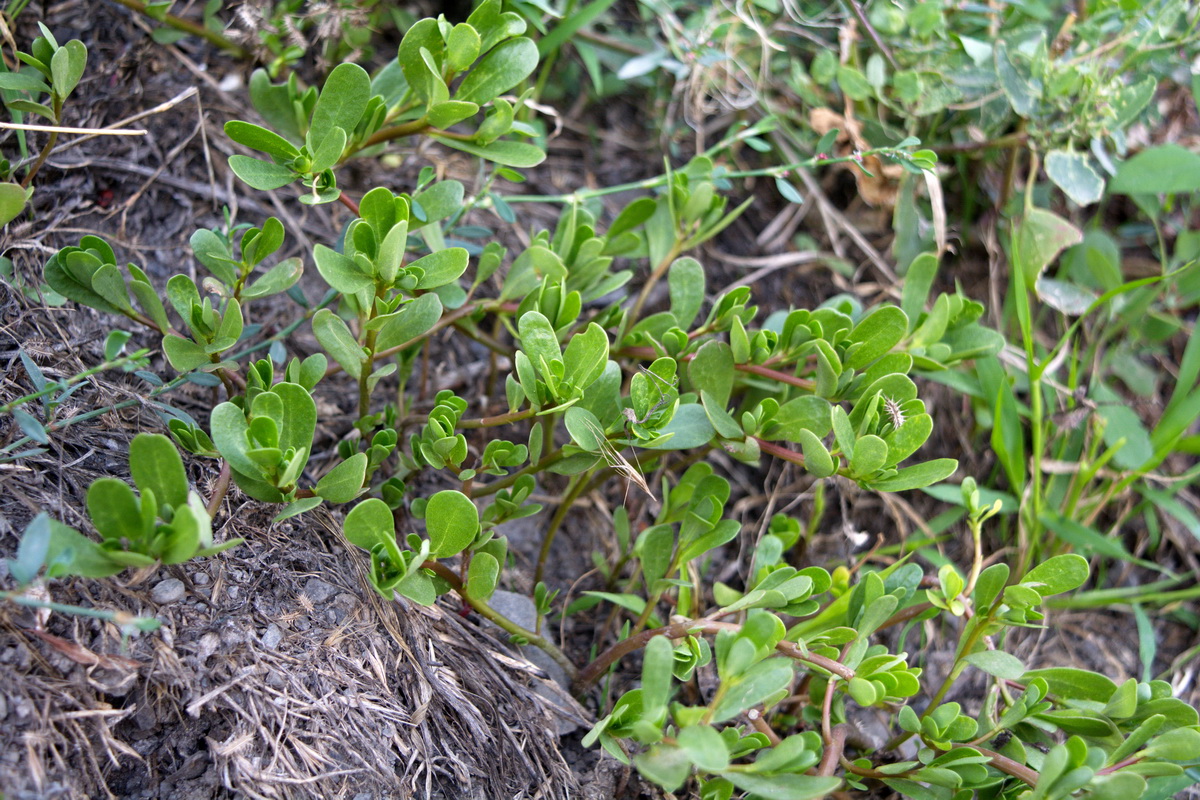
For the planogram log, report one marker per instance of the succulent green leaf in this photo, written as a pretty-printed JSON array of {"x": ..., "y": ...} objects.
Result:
[
  {"x": 494, "y": 24},
  {"x": 26, "y": 81},
  {"x": 75, "y": 283},
  {"x": 340, "y": 271},
  {"x": 369, "y": 523},
  {"x": 705, "y": 747},
  {"x": 278, "y": 278},
  {"x": 452, "y": 522},
  {"x": 685, "y": 279},
  {"x": 344, "y": 481},
  {"x": 658, "y": 662},
  {"x": 721, "y": 420},
  {"x": 450, "y": 112},
  {"x": 521, "y": 155},
  {"x": 412, "y": 320},
  {"x": 189, "y": 528},
  {"x": 666, "y": 766},
  {"x": 538, "y": 339},
  {"x": 689, "y": 427},
  {"x": 32, "y": 551},
  {"x": 438, "y": 202},
  {"x": 184, "y": 354},
  {"x": 1071, "y": 172},
  {"x": 109, "y": 283},
  {"x": 297, "y": 508},
  {"x": 760, "y": 683},
  {"x": 918, "y": 476},
  {"x": 338, "y": 342},
  {"x": 156, "y": 465},
  {"x": 817, "y": 459},
  {"x": 908, "y": 438},
  {"x": 870, "y": 455},
  {"x": 1074, "y": 684},
  {"x": 1165, "y": 169},
  {"x": 341, "y": 104},
  {"x": 12, "y": 201},
  {"x": 501, "y": 69},
  {"x": 917, "y": 283},
  {"x": 875, "y": 336},
  {"x": 67, "y": 66},
  {"x": 806, "y": 412},
  {"x": 586, "y": 356},
  {"x": 114, "y": 510},
  {"x": 329, "y": 151},
  {"x": 1057, "y": 575},
  {"x": 712, "y": 371},
  {"x": 261, "y": 139},
  {"x": 259, "y": 174},
  {"x": 72, "y": 553},
  {"x": 230, "y": 436},
  {"x": 441, "y": 267},
  {"x": 462, "y": 47},
  {"x": 998, "y": 663},
  {"x": 482, "y": 576}
]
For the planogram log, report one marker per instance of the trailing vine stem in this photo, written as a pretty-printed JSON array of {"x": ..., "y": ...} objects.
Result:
[
  {"x": 187, "y": 26},
  {"x": 677, "y": 630}
]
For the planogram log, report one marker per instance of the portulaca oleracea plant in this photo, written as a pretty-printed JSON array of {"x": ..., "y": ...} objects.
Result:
[{"x": 598, "y": 389}]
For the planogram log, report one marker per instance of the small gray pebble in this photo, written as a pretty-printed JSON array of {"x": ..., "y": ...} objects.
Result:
[
  {"x": 201, "y": 579},
  {"x": 319, "y": 591},
  {"x": 272, "y": 636},
  {"x": 168, "y": 591}
]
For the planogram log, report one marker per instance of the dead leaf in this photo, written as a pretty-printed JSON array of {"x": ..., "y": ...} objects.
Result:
[{"x": 81, "y": 655}]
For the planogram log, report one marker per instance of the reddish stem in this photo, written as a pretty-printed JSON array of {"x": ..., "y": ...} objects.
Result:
[
  {"x": 593, "y": 671},
  {"x": 219, "y": 490},
  {"x": 345, "y": 200}
]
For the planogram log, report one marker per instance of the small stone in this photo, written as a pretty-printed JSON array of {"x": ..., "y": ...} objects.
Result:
[
  {"x": 520, "y": 609},
  {"x": 201, "y": 579},
  {"x": 272, "y": 636},
  {"x": 206, "y": 646},
  {"x": 318, "y": 591},
  {"x": 168, "y": 591}
]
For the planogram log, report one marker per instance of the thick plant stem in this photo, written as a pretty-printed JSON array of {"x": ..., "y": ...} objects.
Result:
[
  {"x": 659, "y": 270},
  {"x": 396, "y": 132},
  {"x": 345, "y": 200},
  {"x": 187, "y": 26},
  {"x": 219, "y": 490},
  {"x": 490, "y": 614},
  {"x": 780, "y": 452},
  {"x": 833, "y": 750},
  {"x": 41, "y": 159},
  {"x": 504, "y": 483},
  {"x": 499, "y": 419},
  {"x": 754, "y": 369},
  {"x": 595, "y": 670}
]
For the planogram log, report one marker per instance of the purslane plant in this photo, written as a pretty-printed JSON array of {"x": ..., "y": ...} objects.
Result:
[
  {"x": 51, "y": 73},
  {"x": 828, "y": 389}
]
